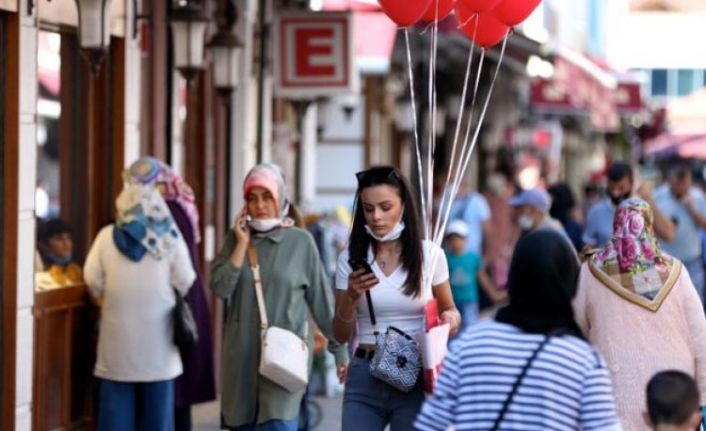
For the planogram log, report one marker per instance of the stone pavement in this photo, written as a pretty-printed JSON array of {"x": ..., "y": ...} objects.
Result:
[{"x": 206, "y": 417}]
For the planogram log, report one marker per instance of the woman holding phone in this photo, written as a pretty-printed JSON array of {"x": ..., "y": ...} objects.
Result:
[
  {"x": 293, "y": 283},
  {"x": 390, "y": 270}
]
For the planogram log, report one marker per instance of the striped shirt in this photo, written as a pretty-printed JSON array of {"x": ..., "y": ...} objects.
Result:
[{"x": 566, "y": 388}]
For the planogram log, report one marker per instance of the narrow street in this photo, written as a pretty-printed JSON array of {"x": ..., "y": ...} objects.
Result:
[{"x": 206, "y": 416}]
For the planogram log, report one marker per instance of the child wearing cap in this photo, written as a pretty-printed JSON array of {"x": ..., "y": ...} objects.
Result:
[
  {"x": 466, "y": 272},
  {"x": 673, "y": 402}
]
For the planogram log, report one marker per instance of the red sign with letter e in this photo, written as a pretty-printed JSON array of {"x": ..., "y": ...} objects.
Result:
[{"x": 314, "y": 55}]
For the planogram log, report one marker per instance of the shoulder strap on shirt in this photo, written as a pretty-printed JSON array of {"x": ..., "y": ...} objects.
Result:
[
  {"x": 255, "y": 267},
  {"x": 516, "y": 386},
  {"x": 371, "y": 310}
]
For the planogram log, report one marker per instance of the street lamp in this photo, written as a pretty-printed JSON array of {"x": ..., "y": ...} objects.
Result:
[
  {"x": 226, "y": 50},
  {"x": 94, "y": 31},
  {"x": 189, "y": 30}
]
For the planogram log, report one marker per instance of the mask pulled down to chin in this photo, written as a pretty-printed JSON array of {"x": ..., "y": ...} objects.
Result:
[{"x": 264, "y": 225}]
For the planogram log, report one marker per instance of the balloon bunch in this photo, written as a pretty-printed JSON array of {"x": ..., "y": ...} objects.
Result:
[{"x": 486, "y": 22}]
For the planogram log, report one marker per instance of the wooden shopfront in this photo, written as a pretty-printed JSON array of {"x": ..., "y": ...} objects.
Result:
[{"x": 80, "y": 158}]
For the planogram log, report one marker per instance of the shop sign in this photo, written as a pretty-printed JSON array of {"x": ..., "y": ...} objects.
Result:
[
  {"x": 314, "y": 55},
  {"x": 628, "y": 97}
]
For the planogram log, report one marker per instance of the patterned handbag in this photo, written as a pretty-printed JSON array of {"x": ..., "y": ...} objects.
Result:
[{"x": 398, "y": 359}]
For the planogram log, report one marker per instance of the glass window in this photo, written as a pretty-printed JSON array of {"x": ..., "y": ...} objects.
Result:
[
  {"x": 685, "y": 83},
  {"x": 48, "y": 113},
  {"x": 659, "y": 82}
]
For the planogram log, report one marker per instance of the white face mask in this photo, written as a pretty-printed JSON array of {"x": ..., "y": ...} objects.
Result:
[
  {"x": 264, "y": 225},
  {"x": 526, "y": 222},
  {"x": 394, "y": 234}
]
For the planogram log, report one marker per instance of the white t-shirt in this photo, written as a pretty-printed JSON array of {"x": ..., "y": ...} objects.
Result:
[{"x": 392, "y": 307}]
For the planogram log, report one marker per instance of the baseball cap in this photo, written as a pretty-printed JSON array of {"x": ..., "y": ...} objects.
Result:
[
  {"x": 457, "y": 227},
  {"x": 537, "y": 198}
]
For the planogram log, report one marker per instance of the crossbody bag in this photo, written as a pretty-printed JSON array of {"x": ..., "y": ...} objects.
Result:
[
  {"x": 284, "y": 356},
  {"x": 398, "y": 359}
]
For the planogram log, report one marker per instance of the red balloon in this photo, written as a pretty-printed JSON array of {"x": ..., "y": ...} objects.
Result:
[
  {"x": 513, "y": 12},
  {"x": 445, "y": 8},
  {"x": 480, "y": 5},
  {"x": 405, "y": 12},
  {"x": 484, "y": 28}
]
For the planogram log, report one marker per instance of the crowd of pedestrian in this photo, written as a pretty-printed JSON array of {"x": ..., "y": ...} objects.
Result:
[{"x": 563, "y": 314}]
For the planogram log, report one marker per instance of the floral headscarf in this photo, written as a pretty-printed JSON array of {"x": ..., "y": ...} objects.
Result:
[
  {"x": 144, "y": 223},
  {"x": 632, "y": 263},
  {"x": 153, "y": 172}
]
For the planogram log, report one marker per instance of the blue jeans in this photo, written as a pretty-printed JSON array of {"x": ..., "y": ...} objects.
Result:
[
  {"x": 469, "y": 313},
  {"x": 275, "y": 425},
  {"x": 695, "y": 268},
  {"x": 370, "y": 404},
  {"x": 117, "y": 405}
]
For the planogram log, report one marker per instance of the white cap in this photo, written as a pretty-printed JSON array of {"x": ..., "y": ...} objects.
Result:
[{"x": 457, "y": 227}]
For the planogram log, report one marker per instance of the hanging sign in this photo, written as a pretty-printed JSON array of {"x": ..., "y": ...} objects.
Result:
[{"x": 314, "y": 55}]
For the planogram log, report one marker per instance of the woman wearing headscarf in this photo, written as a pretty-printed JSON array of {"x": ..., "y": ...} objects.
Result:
[
  {"x": 638, "y": 305},
  {"x": 530, "y": 367},
  {"x": 137, "y": 267},
  {"x": 294, "y": 284},
  {"x": 197, "y": 382}
]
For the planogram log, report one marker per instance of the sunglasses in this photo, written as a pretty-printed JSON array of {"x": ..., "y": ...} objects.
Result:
[{"x": 379, "y": 173}]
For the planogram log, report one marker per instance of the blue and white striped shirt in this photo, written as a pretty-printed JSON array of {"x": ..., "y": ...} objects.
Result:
[{"x": 567, "y": 386}]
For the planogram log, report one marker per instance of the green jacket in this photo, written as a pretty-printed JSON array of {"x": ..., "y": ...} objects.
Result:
[{"x": 294, "y": 284}]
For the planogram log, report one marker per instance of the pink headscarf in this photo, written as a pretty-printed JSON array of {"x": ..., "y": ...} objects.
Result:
[
  {"x": 269, "y": 177},
  {"x": 632, "y": 263}
]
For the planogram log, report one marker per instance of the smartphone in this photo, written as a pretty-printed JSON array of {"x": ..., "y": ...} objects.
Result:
[{"x": 357, "y": 264}]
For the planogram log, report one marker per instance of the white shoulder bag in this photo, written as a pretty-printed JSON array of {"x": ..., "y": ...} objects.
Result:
[{"x": 284, "y": 357}]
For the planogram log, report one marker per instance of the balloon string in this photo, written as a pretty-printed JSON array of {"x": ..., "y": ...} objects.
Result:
[
  {"x": 452, "y": 161},
  {"x": 414, "y": 120},
  {"x": 431, "y": 149},
  {"x": 458, "y": 175},
  {"x": 458, "y": 171},
  {"x": 482, "y": 118},
  {"x": 465, "y": 23}
]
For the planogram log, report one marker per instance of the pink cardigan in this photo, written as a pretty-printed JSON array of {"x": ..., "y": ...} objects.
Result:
[{"x": 638, "y": 343}]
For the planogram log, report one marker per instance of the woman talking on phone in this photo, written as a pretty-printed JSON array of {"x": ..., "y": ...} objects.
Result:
[
  {"x": 292, "y": 282},
  {"x": 384, "y": 280}
]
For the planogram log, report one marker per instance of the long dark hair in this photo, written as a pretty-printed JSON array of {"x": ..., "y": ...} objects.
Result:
[{"x": 412, "y": 251}]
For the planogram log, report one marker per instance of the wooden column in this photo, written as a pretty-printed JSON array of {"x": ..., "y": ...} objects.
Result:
[
  {"x": 9, "y": 147},
  {"x": 91, "y": 140}
]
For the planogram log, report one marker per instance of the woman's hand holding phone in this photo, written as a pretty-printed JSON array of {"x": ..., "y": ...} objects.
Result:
[
  {"x": 360, "y": 281},
  {"x": 240, "y": 227}
]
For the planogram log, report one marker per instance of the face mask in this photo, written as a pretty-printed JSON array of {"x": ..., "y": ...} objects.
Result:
[
  {"x": 617, "y": 200},
  {"x": 392, "y": 235},
  {"x": 58, "y": 260},
  {"x": 526, "y": 222},
  {"x": 264, "y": 225}
]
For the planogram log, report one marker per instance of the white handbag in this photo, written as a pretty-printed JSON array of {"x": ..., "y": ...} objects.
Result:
[{"x": 284, "y": 357}]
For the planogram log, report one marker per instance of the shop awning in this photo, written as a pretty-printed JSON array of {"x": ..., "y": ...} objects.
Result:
[
  {"x": 374, "y": 32},
  {"x": 683, "y": 146},
  {"x": 581, "y": 85}
]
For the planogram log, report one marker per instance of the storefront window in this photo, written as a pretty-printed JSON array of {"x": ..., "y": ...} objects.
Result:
[
  {"x": 53, "y": 260},
  {"x": 48, "y": 115},
  {"x": 659, "y": 82},
  {"x": 685, "y": 85}
]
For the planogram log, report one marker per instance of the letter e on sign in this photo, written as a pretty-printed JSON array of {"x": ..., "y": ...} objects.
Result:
[{"x": 314, "y": 55}]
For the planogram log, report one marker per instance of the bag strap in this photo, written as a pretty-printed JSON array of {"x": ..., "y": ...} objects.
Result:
[
  {"x": 371, "y": 310},
  {"x": 255, "y": 267},
  {"x": 516, "y": 386}
]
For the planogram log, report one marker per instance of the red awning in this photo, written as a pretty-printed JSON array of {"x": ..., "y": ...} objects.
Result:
[
  {"x": 684, "y": 146},
  {"x": 583, "y": 86}
]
